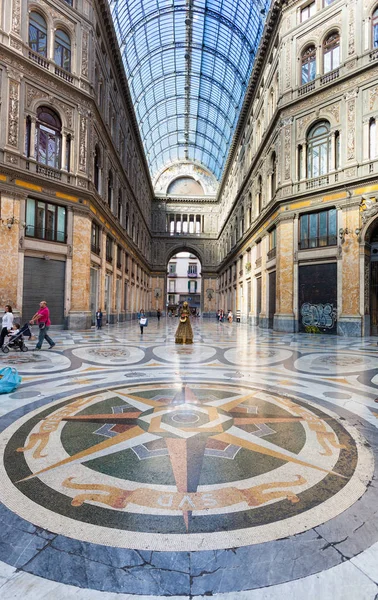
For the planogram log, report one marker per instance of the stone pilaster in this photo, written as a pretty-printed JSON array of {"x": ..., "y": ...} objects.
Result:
[
  {"x": 284, "y": 318},
  {"x": 79, "y": 316}
]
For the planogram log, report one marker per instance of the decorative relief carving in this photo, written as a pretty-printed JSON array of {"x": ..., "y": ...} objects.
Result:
[
  {"x": 367, "y": 285},
  {"x": 302, "y": 124},
  {"x": 352, "y": 172},
  {"x": 33, "y": 94},
  {"x": 287, "y": 148},
  {"x": 84, "y": 54},
  {"x": 351, "y": 31},
  {"x": 67, "y": 110},
  {"x": 334, "y": 110},
  {"x": 373, "y": 96},
  {"x": 16, "y": 44},
  {"x": 14, "y": 90},
  {"x": 83, "y": 143},
  {"x": 16, "y": 16},
  {"x": 351, "y": 131},
  {"x": 13, "y": 160},
  {"x": 288, "y": 66}
]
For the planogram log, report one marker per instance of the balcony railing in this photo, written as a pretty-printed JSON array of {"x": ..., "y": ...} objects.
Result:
[
  {"x": 331, "y": 76},
  {"x": 109, "y": 258},
  {"x": 39, "y": 59},
  {"x": 192, "y": 274},
  {"x": 48, "y": 172},
  {"x": 317, "y": 182},
  {"x": 272, "y": 253},
  {"x": 63, "y": 74},
  {"x": 373, "y": 55},
  {"x": 172, "y": 274},
  {"x": 41, "y": 233},
  {"x": 95, "y": 249},
  {"x": 317, "y": 242},
  {"x": 307, "y": 87}
]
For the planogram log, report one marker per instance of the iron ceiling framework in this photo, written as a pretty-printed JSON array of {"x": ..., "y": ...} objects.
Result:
[{"x": 188, "y": 63}]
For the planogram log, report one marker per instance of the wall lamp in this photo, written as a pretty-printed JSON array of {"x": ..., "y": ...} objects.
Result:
[
  {"x": 10, "y": 221},
  {"x": 346, "y": 231}
]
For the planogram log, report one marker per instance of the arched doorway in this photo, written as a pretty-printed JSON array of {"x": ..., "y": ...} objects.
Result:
[
  {"x": 374, "y": 280},
  {"x": 184, "y": 283}
]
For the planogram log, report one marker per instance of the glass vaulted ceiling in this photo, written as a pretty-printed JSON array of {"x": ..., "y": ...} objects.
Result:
[{"x": 188, "y": 63}]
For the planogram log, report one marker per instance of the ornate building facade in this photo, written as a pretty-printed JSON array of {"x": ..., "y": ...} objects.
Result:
[{"x": 288, "y": 236}]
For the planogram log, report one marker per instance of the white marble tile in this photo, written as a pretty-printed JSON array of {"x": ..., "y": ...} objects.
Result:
[{"x": 367, "y": 561}]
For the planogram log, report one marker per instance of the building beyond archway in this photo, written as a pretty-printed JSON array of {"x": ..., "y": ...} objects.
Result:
[{"x": 184, "y": 283}]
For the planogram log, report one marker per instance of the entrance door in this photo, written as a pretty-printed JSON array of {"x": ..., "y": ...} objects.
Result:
[
  {"x": 258, "y": 299},
  {"x": 272, "y": 298},
  {"x": 374, "y": 297},
  {"x": 44, "y": 280},
  {"x": 94, "y": 294}
]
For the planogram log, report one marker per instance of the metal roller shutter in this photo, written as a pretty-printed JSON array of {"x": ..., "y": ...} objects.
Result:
[{"x": 44, "y": 280}]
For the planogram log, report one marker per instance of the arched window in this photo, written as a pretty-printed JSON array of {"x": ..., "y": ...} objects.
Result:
[
  {"x": 37, "y": 33},
  {"x": 273, "y": 182},
  {"x": 331, "y": 52},
  {"x": 127, "y": 218},
  {"x": 318, "y": 147},
  {"x": 259, "y": 194},
  {"x": 372, "y": 139},
  {"x": 110, "y": 188},
  {"x": 48, "y": 137},
  {"x": 337, "y": 150},
  {"x": 28, "y": 135},
  {"x": 308, "y": 65},
  {"x": 97, "y": 168},
  {"x": 119, "y": 206},
  {"x": 241, "y": 223},
  {"x": 374, "y": 24},
  {"x": 62, "y": 51}
]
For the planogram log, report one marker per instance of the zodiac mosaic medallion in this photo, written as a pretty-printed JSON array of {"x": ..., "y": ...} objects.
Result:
[{"x": 170, "y": 467}]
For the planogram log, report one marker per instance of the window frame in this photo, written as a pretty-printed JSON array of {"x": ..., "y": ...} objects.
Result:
[
  {"x": 308, "y": 58},
  {"x": 65, "y": 47},
  {"x": 45, "y": 129},
  {"x": 34, "y": 23},
  {"x": 44, "y": 229},
  {"x": 329, "y": 47},
  {"x": 314, "y": 157},
  {"x": 304, "y": 243}
]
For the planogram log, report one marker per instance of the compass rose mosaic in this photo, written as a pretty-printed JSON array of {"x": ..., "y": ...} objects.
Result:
[{"x": 171, "y": 467}]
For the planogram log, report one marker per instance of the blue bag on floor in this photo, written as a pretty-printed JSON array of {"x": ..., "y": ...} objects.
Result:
[{"x": 9, "y": 380}]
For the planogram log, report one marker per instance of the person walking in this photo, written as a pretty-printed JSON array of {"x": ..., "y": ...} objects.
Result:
[
  {"x": 158, "y": 314},
  {"x": 143, "y": 322},
  {"x": 7, "y": 323},
  {"x": 99, "y": 318},
  {"x": 42, "y": 316}
]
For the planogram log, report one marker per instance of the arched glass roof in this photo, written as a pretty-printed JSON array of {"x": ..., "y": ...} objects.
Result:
[{"x": 188, "y": 63}]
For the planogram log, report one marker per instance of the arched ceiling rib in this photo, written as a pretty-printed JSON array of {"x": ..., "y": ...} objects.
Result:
[{"x": 188, "y": 63}]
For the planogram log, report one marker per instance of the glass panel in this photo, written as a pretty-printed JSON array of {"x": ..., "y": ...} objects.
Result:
[
  {"x": 372, "y": 139},
  {"x": 313, "y": 230},
  {"x": 40, "y": 222},
  {"x": 332, "y": 226},
  {"x": 30, "y": 217},
  {"x": 61, "y": 228},
  {"x": 50, "y": 222},
  {"x": 323, "y": 229},
  {"x": 225, "y": 39},
  {"x": 304, "y": 231}
]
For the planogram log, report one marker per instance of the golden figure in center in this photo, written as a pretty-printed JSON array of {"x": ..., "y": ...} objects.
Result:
[{"x": 184, "y": 333}]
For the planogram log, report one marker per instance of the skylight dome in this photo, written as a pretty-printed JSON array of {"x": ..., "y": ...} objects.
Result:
[{"x": 188, "y": 63}]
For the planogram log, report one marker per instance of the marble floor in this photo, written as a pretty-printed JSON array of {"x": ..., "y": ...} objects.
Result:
[{"x": 241, "y": 467}]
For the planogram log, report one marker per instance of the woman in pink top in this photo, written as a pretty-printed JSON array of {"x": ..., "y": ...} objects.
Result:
[{"x": 42, "y": 316}]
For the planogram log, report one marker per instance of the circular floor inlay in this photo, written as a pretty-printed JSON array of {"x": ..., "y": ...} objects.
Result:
[{"x": 165, "y": 467}]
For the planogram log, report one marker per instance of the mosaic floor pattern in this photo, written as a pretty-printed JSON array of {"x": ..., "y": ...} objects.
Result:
[{"x": 243, "y": 466}]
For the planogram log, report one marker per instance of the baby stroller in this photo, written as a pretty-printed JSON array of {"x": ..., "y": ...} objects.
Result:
[{"x": 17, "y": 341}]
